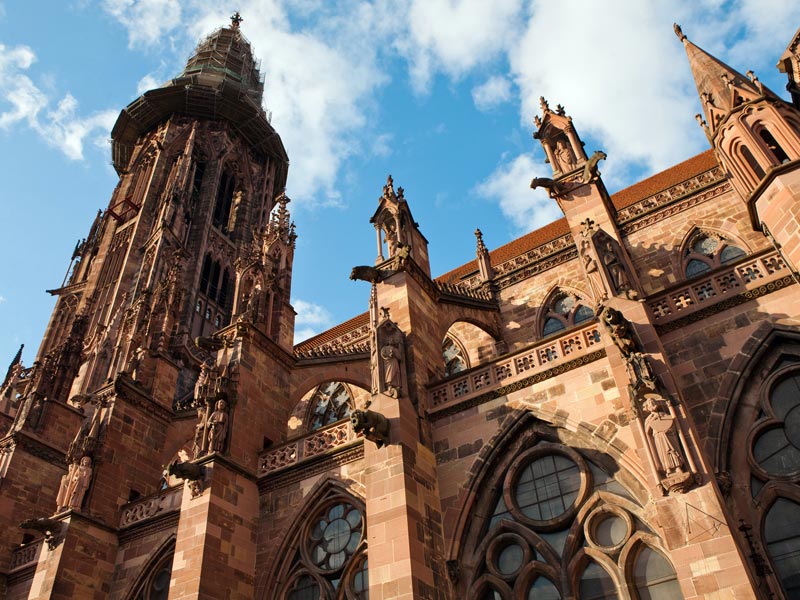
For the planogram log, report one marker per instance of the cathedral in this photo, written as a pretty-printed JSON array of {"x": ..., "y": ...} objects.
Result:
[{"x": 606, "y": 407}]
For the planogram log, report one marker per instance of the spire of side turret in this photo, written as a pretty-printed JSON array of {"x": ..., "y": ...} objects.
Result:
[{"x": 720, "y": 87}]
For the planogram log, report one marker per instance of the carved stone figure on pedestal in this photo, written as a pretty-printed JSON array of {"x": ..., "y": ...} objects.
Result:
[
  {"x": 391, "y": 370},
  {"x": 218, "y": 428},
  {"x": 662, "y": 428},
  {"x": 198, "y": 446},
  {"x": 135, "y": 362},
  {"x": 204, "y": 381},
  {"x": 79, "y": 484},
  {"x": 615, "y": 270},
  {"x": 592, "y": 272},
  {"x": 564, "y": 156},
  {"x": 62, "y": 497}
]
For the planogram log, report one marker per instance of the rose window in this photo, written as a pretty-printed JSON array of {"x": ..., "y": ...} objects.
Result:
[{"x": 335, "y": 536}]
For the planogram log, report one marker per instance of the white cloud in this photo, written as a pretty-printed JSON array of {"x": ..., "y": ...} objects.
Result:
[
  {"x": 146, "y": 20},
  {"x": 455, "y": 36},
  {"x": 382, "y": 144},
  {"x": 509, "y": 186},
  {"x": 146, "y": 83},
  {"x": 25, "y": 102},
  {"x": 311, "y": 319},
  {"x": 493, "y": 92}
]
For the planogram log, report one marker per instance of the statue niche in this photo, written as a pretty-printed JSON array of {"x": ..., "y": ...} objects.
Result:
[
  {"x": 388, "y": 358},
  {"x": 661, "y": 428}
]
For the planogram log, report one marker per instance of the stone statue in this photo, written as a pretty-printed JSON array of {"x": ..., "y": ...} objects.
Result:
[
  {"x": 564, "y": 156},
  {"x": 61, "y": 497},
  {"x": 135, "y": 362},
  {"x": 218, "y": 427},
  {"x": 391, "y": 370},
  {"x": 661, "y": 427},
  {"x": 590, "y": 168},
  {"x": 79, "y": 483},
  {"x": 202, "y": 387},
  {"x": 620, "y": 329},
  {"x": 374, "y": 426},
  {"x": 617, "y": 275},
  {"x": 199, "y": 432},
  {"x": 592, "y": 271}
]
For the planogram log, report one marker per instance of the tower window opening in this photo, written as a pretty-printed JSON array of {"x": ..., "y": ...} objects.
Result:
[
  {"x": 222, "y": 208},
  {"x": 752, "y": 162},
  {"x": 774, "y": 147}
]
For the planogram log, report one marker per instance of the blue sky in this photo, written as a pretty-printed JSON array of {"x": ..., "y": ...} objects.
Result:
[{"x": 439, "y": 93}]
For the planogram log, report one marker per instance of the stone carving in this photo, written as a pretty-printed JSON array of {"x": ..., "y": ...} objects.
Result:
[
  {"x": 373, "y": 425},
  {"x": 554, "y": 188},
  {"x": 590, "y": 168},
  {"x": 79, "y": 483},
  {"x": 391, "y": 370},
  {"x": 620, "y": 330},
  {"x": 62, "y": 498},
  {"x": 190, "y": 472},
  {"x": 615, "y": 270},
  {"x": 661, "y": 427},
  {"x": 565, "y": 158},
  {"x": 204, "y": 384},
  {"x": 198, "y": 445},
  {"x": 218, "y": 427},
  {"x": 50, "y": 528},
  {"x": 592, "y": 271}
]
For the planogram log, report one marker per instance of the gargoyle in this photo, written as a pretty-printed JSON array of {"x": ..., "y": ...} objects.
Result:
[
  {"x": 208, "y": 343},
  {"x": 50, "y": 528},
  {"x": 186, "y": 470},
  {"x": 373, "y": 424},
  {"x": 369, "y": 274},
  {"x": 590, "y": 168},
  {"x": 554, "y": 188}
]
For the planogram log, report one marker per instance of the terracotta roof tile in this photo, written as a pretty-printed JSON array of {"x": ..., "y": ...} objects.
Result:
[{"x": 630, "y": 195}]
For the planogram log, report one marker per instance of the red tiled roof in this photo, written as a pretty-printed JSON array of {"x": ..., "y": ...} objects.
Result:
[{"x": 630, "y": 195}]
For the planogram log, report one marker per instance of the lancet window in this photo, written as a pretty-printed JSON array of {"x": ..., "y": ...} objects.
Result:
[
  {"x": 330, "y": 402},
  {"x": 707, "y": 251},
  {"x": 562, "y": 526},
  {"x": 214, "y": 295},
  {"x": 455, "y": 359},
  {"x": 224, "y": 201},
  {"x": 564, "y": 310}
]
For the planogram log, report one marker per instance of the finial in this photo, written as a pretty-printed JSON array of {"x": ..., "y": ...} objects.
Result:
[
  {"x": 679, "y": 32},
  {"x": 236, "y": 20},
  {"x": 560, "y": 110},
  {"x": 537, "y": 121},
  {"x": 728, "y": 81},
  {"x": 481, "y": 246},
  {"x": 543, "y": 105},
  {"x": 401, "y": 193},
  {"x": 751, "y": 76}
]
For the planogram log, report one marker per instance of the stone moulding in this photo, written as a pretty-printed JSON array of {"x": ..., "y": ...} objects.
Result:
[
  {"x": 696, "y": 299},
  {"x": 320, "y": 442},
  {"x": 319, "y": 464},
  {"x": 513, "y": 372},
  {"x": 26, "y": 555},
  {"x": 144, "y": 509}
]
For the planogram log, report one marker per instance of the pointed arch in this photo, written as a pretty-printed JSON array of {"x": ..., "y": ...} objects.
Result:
[
  {"x": 326, "y": 495},
  {"x": 160, "y": 560},
  {"x": 703, "y": 249},
  {"x": 562, "y": 309}
]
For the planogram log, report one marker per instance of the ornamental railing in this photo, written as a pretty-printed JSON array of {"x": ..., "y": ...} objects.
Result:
[
  {"x": 26, "y": 555},
  {"x": 722, "y": 284},
  {"x": 166, "y": 501},
  {"x": 316, "y": 443},
  {"x": 545, "y": 355}
]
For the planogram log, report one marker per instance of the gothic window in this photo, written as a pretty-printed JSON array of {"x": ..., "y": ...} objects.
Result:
[
  {"x": 559, "y": 510},
  {"x": 764, "y": 462},
  {"x": 222, "y": 206},
  {"x": 329, "y": 403},
  {"x": 154, "y": 583},
  {"x": 751, "y": 161},
  {"x": 205, "y": 274},
  {"x": 454, "y": 356},
  {"x": 774, "y": 147},
  {"x": 707, "y": 251},
  {"x": 564, "y": 311},
  {"x": 331, "y": 562}
]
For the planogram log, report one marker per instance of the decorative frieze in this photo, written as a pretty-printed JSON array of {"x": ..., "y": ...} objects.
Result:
[
  {"x": 26, "y": 555},
  {"x": 303, "y": 448},
  {"x": 164, "y": 502},
  {"x": 723, "y": 285},
  {"x": 516, "y": 367}
]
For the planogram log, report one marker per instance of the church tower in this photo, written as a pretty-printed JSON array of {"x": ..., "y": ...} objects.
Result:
[
  {"x": 189, "y": 245},
  {"x": 756, "y": 137}
]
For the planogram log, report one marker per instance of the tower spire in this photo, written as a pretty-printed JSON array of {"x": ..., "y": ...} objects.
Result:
[{"x": 720, "y": 87}]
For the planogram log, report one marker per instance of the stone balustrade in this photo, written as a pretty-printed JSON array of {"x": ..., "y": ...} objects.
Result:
[
  {"x": 702, "y": 292},
  {"x": 26, "y": 555},
  {"x": 303, "y": 448},
  {"x": 545, "y": 355},
  {"x": 165, "y": 501}
]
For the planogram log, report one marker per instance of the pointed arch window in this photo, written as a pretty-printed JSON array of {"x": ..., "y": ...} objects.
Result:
[
  {"x": 751, "y": 161},
  {"x": 454, "y": 357},
  {"x": 774, "y": 147},
  {"x": 330, "y": 402},
  {"x": 222, "y": 206},
  {"x": 707, "y": 251},
  {"x": 556, "y": 510},
  {"x": 782, "y": 537},
  {"x": 563, "y": 311}
]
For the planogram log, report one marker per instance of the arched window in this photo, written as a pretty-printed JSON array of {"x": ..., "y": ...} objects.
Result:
[
  {"x": 222, "y": 206},
  {"x": 563, "y": 311},
  {"x": 330, "y": 402},
  {"x": 453, "y": 355},
  {"x": 205, "y": 274},
  {"x": 782, "y": 537},
  {"x": 774, "y": 147},
  {"x": 707, "y": 251},
  {"x": 555, "y": 507},
  {"x": 751, "y": 161},
  {"x": 154, "y": 583},
  {"x": 331, "y": 560}
]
